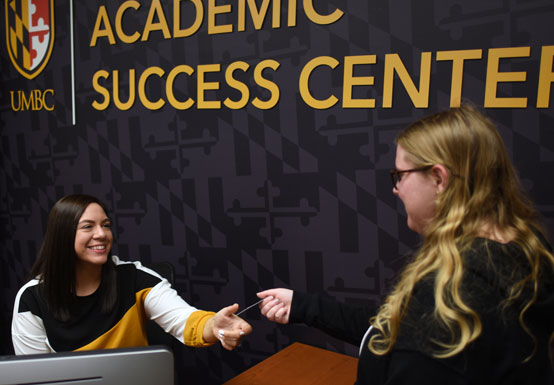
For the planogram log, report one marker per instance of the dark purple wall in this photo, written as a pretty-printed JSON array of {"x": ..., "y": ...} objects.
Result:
[{"x": 249, "y": 199}]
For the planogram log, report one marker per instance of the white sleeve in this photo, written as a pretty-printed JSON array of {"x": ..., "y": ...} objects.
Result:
[
  {"x": 28, "y": 332},
  {"x": 165, "y": 307}
]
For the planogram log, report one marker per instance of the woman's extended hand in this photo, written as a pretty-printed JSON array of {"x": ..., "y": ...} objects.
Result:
[
  {"x": 276, "y": 304},
  {"x": 227, "y": 328}
]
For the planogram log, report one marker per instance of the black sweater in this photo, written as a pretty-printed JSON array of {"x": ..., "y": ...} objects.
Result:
[{"x": 495, "y": 357}]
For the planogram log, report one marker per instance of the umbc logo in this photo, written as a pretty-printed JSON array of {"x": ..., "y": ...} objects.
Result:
[{"x": 30, "y": 34}]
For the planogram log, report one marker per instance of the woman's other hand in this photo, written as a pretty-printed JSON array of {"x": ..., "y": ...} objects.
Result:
[{"x": 276, "y": 304}]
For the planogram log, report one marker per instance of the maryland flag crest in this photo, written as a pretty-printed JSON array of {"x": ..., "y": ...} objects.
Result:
[{"x": 30, "y": 34}]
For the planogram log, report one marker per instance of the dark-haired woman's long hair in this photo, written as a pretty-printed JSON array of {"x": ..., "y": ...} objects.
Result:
[{"x": 55, "y": 264}]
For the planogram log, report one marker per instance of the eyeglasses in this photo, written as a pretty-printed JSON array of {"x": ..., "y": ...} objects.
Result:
[{"x": 396, "y": 175}]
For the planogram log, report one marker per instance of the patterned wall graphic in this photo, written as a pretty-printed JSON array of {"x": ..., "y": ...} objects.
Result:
[{"x": 251, "y": 146}]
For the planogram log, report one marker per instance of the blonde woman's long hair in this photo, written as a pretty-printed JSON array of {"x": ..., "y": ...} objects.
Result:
[{"x": 483, "y": 188}]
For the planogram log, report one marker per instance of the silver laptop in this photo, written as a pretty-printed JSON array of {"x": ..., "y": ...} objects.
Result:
[{"x": 152, "y": 365}]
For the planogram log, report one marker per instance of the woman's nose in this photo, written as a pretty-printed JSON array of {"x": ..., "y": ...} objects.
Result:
[{"x": 99, "y": 232}]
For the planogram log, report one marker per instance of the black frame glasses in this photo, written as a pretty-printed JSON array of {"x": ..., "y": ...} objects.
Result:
[{"x": 396, "y": 175}]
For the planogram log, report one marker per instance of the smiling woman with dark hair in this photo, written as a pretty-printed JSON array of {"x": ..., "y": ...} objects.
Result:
[
  {"x": 81, "y": 297},
  {"x": 475, "y": 304},
  {"x": 59, "y": 261}
]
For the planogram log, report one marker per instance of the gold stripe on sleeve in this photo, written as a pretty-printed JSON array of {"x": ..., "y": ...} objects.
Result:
[{"x": 194, "y": 328}]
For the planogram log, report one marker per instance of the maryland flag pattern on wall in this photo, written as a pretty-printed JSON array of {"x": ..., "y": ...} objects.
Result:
[{"x": 30, "y": 34}]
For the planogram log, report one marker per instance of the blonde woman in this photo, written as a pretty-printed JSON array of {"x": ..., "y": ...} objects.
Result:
[{"x": 475, "y": 305}]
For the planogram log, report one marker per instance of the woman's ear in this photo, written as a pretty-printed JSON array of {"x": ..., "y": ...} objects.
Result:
[{"x": 440, "y": 176}]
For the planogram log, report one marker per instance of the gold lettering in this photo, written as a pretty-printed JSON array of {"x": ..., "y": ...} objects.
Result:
[
  {"x": 240, "y": 86},
  {"x": 26, "y": 103},
  {"x": 267, "y": 84},
  {"x": 458, "y": 58},
  {"x": 350, "y": 81},
  {"x": 319, "y": 18},
  {"x": 177, "y": 31},
  {"x": 546, "y": 77},
  {"x": 131, "y": 100},
  {"x": 142, "y": 88},
  {"x": 203, "y": 86},
  {"x": 37, "y": 100},
  {"x": 102, "y": 18},
  {"x": 18, "y": 101},
  {"x": 213, "y": 11},
  {"x": 420, "y": 98},
  {"x": 46, "y": 106},
  {"x": 156, "y": 10},
  {"x": 129, "y": 39},
  {"x": 276, "y": 18},
  {"x": 258, "y": 16},
  {"x": 304, "y": 83},
  {"x": 494, "y": 76},
  {"x": 185, "y": 69},
  {"x": 101, "y": 90},
  {"x": 291, "y": 21}
]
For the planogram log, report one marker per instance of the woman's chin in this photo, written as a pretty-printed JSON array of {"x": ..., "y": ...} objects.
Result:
[{"x": 94, "y": 260}]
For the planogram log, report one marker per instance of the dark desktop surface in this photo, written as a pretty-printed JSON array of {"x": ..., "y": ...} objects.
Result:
[{"x": 6, "y": 347}]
